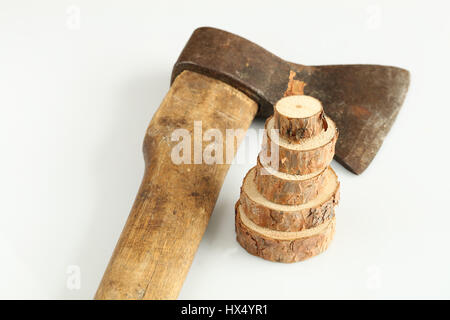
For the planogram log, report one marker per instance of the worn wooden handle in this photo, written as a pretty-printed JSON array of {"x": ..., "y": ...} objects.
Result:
[{"x": 175, "y": 201}]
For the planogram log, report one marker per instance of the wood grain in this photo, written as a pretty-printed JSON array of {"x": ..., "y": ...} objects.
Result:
[{"x": 174, "y": 203}]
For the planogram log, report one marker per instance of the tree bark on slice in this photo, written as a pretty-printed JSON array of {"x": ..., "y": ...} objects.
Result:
[
  {"x": 313, "y": 155},
  {"x": 283, "y": 249},
  {"x": 285, "y": 188},
  {"x": 295, "y": 125},
  {"x": 287, "y": 217}
]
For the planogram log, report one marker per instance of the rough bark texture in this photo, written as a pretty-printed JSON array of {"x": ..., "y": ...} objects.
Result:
[
  {"x": 295, "y": 129},
  {"x": 292, "y": 220},
  {"x": 301, "y": 161},
  {"x": 287, "y": 191},
  {"x": 286, "y": 251},
  {"x": 174, "y": 203}
]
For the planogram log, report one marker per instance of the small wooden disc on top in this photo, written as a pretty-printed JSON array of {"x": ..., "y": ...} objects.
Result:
[{"x": 298, "y": 117}]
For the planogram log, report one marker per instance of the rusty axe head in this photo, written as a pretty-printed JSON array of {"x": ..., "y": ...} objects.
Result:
[{"x": 363, "y": 100}]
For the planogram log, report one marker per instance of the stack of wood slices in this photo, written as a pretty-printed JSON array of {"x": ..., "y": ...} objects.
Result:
[{"x": 286, "y": 209}]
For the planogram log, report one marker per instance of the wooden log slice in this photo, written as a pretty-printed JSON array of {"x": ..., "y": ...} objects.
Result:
[
  {"x": 310, "y": 155},
  {"x": 298, "y": 117},
  {"x": 290, "y": 218},
  {"x": 283, "y": 188},
  {"x": 279, "y": 246}
]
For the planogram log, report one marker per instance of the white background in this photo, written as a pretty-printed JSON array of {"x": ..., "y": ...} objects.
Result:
[{"x": 76, "y": 100}]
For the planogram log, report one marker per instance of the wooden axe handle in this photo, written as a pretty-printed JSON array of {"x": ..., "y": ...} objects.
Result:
[{"x": 175, "y": 201}]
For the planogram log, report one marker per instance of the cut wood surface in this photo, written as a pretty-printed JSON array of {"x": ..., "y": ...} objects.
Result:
[
  {"x": 267, "y": 214},
  {"x": 310, "y": 155},
  {"x": 175, "y": 201},
  {"x": 298, "y": 117},
  {"x": 279, "y": 246},
  {"x": 286, "y": 188}
]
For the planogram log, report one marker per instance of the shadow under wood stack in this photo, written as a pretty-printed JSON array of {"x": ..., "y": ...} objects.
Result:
[{"x": 286, "y": 209}]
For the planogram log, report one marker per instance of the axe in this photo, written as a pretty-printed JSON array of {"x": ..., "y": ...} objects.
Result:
[{"x": 224, "y": 81}]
